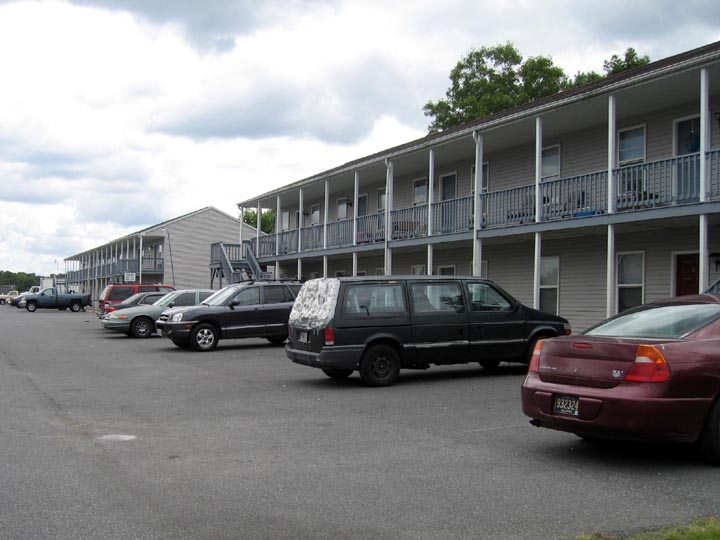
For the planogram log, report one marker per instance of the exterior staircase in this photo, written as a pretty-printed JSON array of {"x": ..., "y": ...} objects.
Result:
[{"x": 233, "y": 263}]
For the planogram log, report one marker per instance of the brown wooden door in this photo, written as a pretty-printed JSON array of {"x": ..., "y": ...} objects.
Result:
[{"x": 686, "y": 275}]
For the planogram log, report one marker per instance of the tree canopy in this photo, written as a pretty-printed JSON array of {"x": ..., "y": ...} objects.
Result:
[
  {"x": 19, "y": 280},
  {"x": 267, "y": 223},
  {"x": 493, "y": 79}
]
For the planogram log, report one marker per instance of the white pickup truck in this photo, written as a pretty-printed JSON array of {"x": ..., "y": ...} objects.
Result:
[{"x": 5, "y": 298}]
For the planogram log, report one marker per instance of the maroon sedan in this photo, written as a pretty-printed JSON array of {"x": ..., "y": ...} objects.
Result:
[{"x": 649, "y": 373}]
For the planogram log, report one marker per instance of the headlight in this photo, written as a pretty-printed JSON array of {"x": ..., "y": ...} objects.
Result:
[
  {"x": 177, "y": 317},
  {"x": 117, "y": 316}
]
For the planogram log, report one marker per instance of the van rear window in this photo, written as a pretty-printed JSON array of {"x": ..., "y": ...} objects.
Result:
[{"x": 120, "y": 293}]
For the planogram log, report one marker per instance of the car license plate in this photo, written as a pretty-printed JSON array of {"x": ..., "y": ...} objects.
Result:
[
  {"x": 303, "y": 336},
  {"x": 566, "y": 405}
]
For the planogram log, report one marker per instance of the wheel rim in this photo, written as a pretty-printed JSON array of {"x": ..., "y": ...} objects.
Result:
[
  {"x": 205, "y": 338},
  {"x": 381, "y": 366},
  {"x": 142, "y": 328}
]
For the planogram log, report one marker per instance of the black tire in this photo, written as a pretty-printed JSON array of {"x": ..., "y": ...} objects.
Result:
[
  {"x": 380, "y": 366},
  {"x": 31, "y": 306},
  {"x": 181, "y": 344},
  {"x": 204, "y": 338},
  {"x": 709, "y": 441},
  {"x": 75, "y": 307},
  {"x": 338, "y": 374},
  {"x": 489, "y": 364},
  {"x": 142, "y": 327},
  {"x": 277, "y": 340}
]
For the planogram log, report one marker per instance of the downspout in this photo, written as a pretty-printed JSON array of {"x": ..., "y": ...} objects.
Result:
[
  {"x": 704, "y": 263},
  {"x": 388, "y": 210},
  {"x": 477, "y": 205}
]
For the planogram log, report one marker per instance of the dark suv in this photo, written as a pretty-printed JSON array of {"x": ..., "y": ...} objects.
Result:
[
  {"x": 242, "y": 310},
  {"x": 378, "y": 325}
]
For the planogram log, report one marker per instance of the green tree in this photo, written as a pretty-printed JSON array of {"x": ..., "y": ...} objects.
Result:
[
  {"x": 490, "y": 80},
  {"x": 493, "y": 79},
  {"x": 629, "y": 60},
  {"x": 267, "y": 224},
  {"x": 20, "y": 280}
]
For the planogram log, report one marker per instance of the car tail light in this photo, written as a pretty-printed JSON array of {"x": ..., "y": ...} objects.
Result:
[
  {"x": 535, "y": 358},
  {"x": 650, "y": 366},
  {"x": 329, "y": 335}
]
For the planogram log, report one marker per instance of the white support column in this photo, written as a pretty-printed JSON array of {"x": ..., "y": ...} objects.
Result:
[
  {"x": 258, "y": 226},
  {"x": 325, "y": 266},
  {"x": 477, "y": 205},
  {"x": 431, "y": 190},
  {"x": 538, "y": 169},
  {"x": 704, "y": 250},
  {"x": 388, "y": 215},
  {"x": 325, "y": 219},
  {"x": 356, "y": 194},
  {"x": 299, "y": 268},
  {"x": 430, "y": 262},
  {"x": 704, "y": 263},
  {"x": 611, "y": 188},
  {"x": 355, "y": 263},
  {"x": 537, "y": 268},
  {"x": 278, "y": 220},
  {"x": 611, "y": 270},
  {"x": 301, "y": 221},
  {"x": 242, "y": 221},
  {"x": 140, "y": 259},
  {"x": 704, "y": 132}
]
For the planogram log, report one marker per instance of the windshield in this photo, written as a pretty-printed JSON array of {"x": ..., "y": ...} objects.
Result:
[
  {"x": 658, "y": 321},
  {"x": 220, "y": 297}
]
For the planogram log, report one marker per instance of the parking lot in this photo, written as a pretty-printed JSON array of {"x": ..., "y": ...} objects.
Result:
[{"x": 104, "y": 436}]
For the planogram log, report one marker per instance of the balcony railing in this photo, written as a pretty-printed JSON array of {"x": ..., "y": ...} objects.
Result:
[{"x": 116, "y": 269}]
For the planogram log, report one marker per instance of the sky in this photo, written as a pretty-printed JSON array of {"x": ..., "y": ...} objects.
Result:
[{"x": 119, "y": 114}]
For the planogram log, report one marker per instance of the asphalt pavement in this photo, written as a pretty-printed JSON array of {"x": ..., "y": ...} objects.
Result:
[{"x": 108, "y": 437}]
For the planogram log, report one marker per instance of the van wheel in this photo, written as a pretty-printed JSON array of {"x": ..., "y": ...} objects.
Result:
[
  {"x": 142, "y": 327},
  {"x": 709, "y": 441},
  {"x": 203, "y": 338},
  {"x": 489, "y": 364},
  {"x": 338, "y": 373},
  {"x": 380, "y": 366}
]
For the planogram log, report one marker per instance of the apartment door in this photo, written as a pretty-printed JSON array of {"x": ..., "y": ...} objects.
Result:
[{"x": 686, "y": 274}]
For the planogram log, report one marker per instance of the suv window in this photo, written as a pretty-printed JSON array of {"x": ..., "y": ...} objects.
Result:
[
  {"x": 185, "y": 299},
  {"x": 120, "y": 293},
  {"x": 205, "y": 295},
  {"x": 276, "y": 294},
  {"x": 376, "y": 298},
  {"x": 437, "y": 297},
  {"x": 295, "y": 289},
  {"x": 248, "y": 296},
  {"x": 483, "y": 297}
]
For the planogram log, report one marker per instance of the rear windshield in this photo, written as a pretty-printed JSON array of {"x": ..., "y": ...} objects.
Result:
[
  {"x": 658, "y": 321},
  {"x": 314, "y": 306},
  {"x": 120, "y": 293}
]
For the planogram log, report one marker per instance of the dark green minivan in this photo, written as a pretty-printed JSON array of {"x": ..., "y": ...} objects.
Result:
[{"x": 380, "y": 324}]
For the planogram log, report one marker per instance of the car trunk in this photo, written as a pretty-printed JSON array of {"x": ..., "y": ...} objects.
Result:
[{"x": 599, "y": 362}]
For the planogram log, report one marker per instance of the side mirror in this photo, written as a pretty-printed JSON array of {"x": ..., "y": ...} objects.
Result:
[{"x": 171, "y": 304}]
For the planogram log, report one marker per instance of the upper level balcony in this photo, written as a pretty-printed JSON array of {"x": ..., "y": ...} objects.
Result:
[
  {"x": 666, "y": 182},
  {"x": 116, "y": 270}
]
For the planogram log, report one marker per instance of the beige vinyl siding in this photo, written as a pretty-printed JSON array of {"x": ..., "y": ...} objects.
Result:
[{"x": 191, "y": 238}]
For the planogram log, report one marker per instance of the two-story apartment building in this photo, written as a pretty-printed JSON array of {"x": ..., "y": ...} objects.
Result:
[
  {"x": 175, "y": 252},
  {"x": 584, "y": 203}
]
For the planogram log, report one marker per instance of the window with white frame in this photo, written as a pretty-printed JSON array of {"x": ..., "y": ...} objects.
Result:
[
  {"x": 339, "y": 273},
  {"x": 631, "y": 146},
  {"x": 361, "y": 273},
  {"x": 550, "y": 165},
  {"x": 381, "y": 200},
  {"x": 549, "y": 284},
  {"x": 315, "y": 214},
  {"x": 484, "y": 179},
  {"x": 285, "y": 220},
  {"x": 342, "y": 208},
  {"x": 379, "y": 271},
  {"x": 419, "y": 191},
  {"x": 418, "y": 269},
  {"x": 630, "y": 280}
]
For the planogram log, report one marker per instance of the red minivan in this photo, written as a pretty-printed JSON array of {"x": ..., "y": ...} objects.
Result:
[{"x": 117, "y": 292}]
